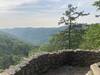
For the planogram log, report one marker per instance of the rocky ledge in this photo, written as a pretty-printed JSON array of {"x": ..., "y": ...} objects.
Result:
[{"x": 40, "y": 63}]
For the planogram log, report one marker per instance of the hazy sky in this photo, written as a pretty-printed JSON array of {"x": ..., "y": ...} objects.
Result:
[{"x": 41, "y": 13}]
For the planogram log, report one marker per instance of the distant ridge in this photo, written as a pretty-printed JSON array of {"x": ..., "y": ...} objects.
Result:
[
  {"x": 35, "y": 36},
  {"x": 38, "y": 36}
]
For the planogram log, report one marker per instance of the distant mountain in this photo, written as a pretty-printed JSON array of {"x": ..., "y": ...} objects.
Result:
[{"x": 35, "y": 36}]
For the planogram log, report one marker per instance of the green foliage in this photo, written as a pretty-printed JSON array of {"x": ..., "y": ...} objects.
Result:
[
  {"x": 97, "y": 4},
  {"x": 70, "y": 16},
  {"x": 11, "y": 50},
  {"x": 91, "y": 39},
  {"x": 33, "y": 51},
  {"x": 60, "y": 41}
]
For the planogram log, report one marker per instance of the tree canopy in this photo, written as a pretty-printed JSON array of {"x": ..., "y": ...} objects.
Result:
[
  {"x": 12, "y": 50},
  {"x": 97, "y": 4},
  {"x": 60, "y": 40},
  {"x": 91, "y": 38}
]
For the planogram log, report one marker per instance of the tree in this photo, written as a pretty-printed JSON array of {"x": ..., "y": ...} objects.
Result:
[
  {"x": 97, "y": 4},
  {"x": 91, "y": 39},
  {"x": 70, "y": 15},
  {"x": 60, "y": 40}
]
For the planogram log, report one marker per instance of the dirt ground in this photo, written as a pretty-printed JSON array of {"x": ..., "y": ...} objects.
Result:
[{"x": 68, "y": 70}]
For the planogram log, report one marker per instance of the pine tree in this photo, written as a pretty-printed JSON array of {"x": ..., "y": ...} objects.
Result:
[{"x": 70, "y": 15}]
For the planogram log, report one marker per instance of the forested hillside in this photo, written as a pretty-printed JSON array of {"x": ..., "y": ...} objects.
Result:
[{"x": 12, "y": 50}]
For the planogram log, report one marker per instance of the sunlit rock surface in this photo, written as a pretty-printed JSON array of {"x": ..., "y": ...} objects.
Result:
[{"x": 94, "y": 69}]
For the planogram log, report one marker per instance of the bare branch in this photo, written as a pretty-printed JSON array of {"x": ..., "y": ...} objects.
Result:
[{"x": 62, "y": 20}]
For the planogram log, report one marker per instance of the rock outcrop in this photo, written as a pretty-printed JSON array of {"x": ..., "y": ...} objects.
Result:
[
  {"x": 94, "y": 69},
  {"x": 43, "y": 62}
]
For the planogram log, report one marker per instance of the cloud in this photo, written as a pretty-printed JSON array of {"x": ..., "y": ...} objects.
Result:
[
  {"x": 89, "y": 19},
  {"x": 16, "y": 13},
  {"x": 54, "y": 0},
  {"x": 10, "y": 4},
  {"x": 85, "y": 2},
  {"x": 33, "y": 21}
]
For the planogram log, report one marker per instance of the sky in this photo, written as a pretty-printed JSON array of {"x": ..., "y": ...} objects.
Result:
[{"x": 42, "y": 13}]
